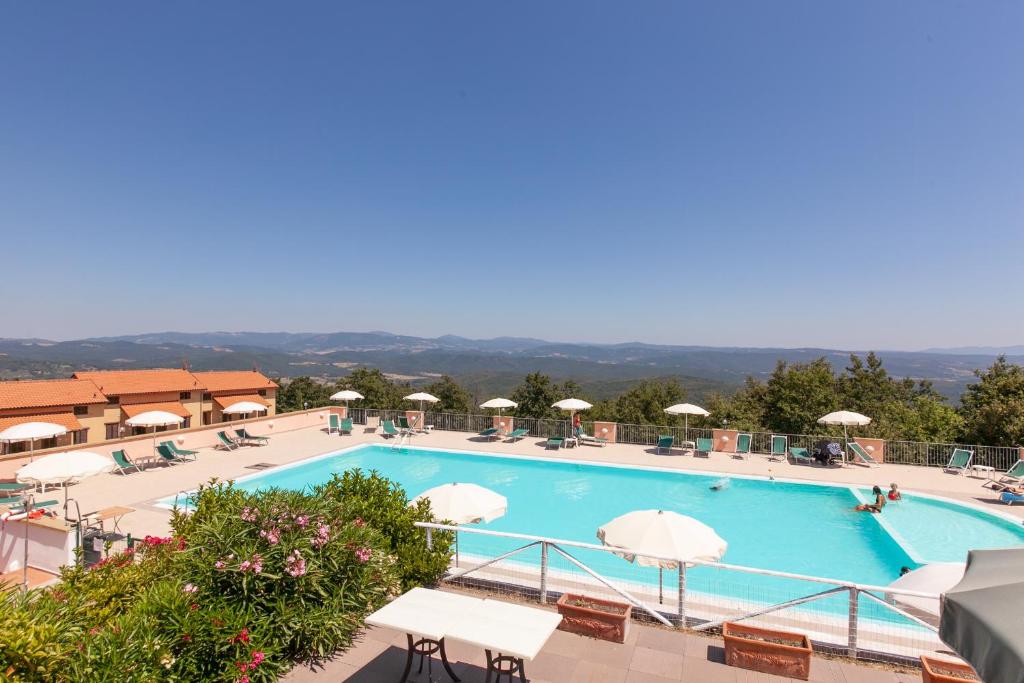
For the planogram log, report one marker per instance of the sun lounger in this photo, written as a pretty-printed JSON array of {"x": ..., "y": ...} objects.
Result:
[
  {"x": 780, "y": 448},
  {"x": 182, "y": 453},
  {"x": 17, "y": 505},
  {"x": 704, "y": 446},
  {"x": 346, "y": 426},
  {"x": 960, "y": 461},
  {"x": 517, "y": 434},
  {"x": 7, "y": 487},
  {"x": 554, "y": 442},
  {"x": 388, "y": 429},
  {"x": 226, "y": 441},
  {"x": 861, "y": 455},
  {"x": 1009, "y": 497},
  {"x": 742, "y": 445},
  {"x": 403, "y": 424},
  {"x": 372, "y": 423},
  {"x": 169, "y": 456},
  {"x": 489, "y": 433},
  {"x": 1012, "y": 477},
  {"x": 665, "y": 442},
  {"x": 801, "y": 456},
  {"x": 123, "y": 462},
  {"x": 510, "y": 635},
  {"x": 245, "y": 437},
  {"x": 11, "y": 500},
  {"x": 332, "y": 424},
  {"x": 587, "y": 439}
]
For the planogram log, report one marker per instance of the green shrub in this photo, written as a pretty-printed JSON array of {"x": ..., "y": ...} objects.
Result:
[{"x": 383, "y": 505}]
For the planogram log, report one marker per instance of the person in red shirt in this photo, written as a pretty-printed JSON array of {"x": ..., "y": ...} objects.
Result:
[{"x": 894, "y": 492}]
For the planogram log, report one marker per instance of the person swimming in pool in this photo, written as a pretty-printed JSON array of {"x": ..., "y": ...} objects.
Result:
[
  {"x": 894, "y": 492},
  {"x": 720, "y": 485},
  {"x": 873, "y": 507}
]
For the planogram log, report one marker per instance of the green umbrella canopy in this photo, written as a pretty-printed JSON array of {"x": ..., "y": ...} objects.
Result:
[{"x": 983, "y": 615}]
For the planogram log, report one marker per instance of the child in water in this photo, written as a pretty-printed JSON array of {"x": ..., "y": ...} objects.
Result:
[
  {"x": 873, "y": 507},
  {"x": 894, "y": 492},
  {"x": 720, "y": 485}
]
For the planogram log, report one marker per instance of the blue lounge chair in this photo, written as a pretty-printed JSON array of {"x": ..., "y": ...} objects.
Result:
[
  {"x": 960, "y": 461},
  {"x": 665, "y": 442},
  {"x": 742, "y": 445},
  {"x": 861, "y": 455},
  {"x": 1009, "y": 497},
  {"x": 801, "y": 456}
]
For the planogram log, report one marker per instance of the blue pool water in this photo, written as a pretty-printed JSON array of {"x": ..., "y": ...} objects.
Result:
[{"x": 793, "y": 527}]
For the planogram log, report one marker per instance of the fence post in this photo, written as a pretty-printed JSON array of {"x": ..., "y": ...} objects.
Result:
[
  {"x": 851, "y": 627},
  {"x": 682, "y": 595},
  {"x": 543, "y": 573}
]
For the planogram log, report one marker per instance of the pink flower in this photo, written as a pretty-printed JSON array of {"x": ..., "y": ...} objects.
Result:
[
  {"x": 302, "y": 521},
  {"x": 323, "y": 535},
  {"x": 243, "y": 679},
  {"x": 295, "y": 564},
  {"x": 257, "y": 658},
  {"x": 363, "y": 554},
  {"x": 246, "y": 564},
  {"x": 273, "y": 535},
  {"x": 190, "y": 588},
  {"x": 219, "y": 564},
  {"x": 248, "y": 515},
  {"x": 359, "y": 522}
]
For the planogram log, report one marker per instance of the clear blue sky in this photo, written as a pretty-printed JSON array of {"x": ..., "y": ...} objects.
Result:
[{"x": 757, "y": 173}]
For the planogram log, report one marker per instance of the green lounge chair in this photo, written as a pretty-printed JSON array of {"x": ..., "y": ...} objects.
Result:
[
  {"x": 861, "y": 455},
  {"x": 388, "y": 429},
  {"x": 18, "y": 505},
  {"x": 245, "y": 437},
  {"x": 169, "y": 456},
  {"x": 665, "y": 442},
  {"x": 345, "y": 426},
  {"x": 591, "y": 440},
  {"x": 123, "y": 462},
  {"x": 554, "y": 442},
  {"x": 14, "y": 486},
  {"x": 182, "y": 453},
  {"x": 742, "y": 446},
  {"x": 1012, "y": 477},
  {"x": 780, "y": 447},
  {"x": 517, "y": 434},
  {"x": 11, "y": 500},
  {"x": 489, "y": 432},
  {"x": 403, "y": 424},
  {"x": 332, "y": 424},
  {"x": 226, "y": 442},
  {"x": 960, "y": 461},
  {"x": 705, "y": 446},
  {"x": 801, "y": 455}
]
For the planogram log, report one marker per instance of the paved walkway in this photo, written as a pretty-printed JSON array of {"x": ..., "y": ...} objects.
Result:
[{"x": 650, "y": 655}]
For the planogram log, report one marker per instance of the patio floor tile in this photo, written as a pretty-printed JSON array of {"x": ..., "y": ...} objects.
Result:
[{"x": 658, "y": 662}]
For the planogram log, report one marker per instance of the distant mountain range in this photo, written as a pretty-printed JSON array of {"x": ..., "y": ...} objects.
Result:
[{"x": 484, "y": 365}]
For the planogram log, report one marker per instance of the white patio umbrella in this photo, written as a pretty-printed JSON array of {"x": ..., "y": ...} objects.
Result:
[
  {"x": 154, "y": 419},
  {"x": 572, "y": 405},
  {"x": 463, "y": 504},
  {"x": 244, "y": 408},
  {"x": 30, "y": 431},
  {"x": 499, "y": 403},
  {"x": 846, "y": 418},
  {"x": 686, "y": 409},
  {"x": 63, "y": 468},
  {"x": 422, "y": 397},
  {"x": 347, "y": 395},
  {"x": 659, "y": 533},
  {"x": 937, "y": 577}
]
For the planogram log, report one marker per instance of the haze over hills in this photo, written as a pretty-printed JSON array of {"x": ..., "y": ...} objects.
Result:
[{"x": 484, "y": 365}]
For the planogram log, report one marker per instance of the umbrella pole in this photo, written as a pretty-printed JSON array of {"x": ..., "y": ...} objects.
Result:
[
  {"x": 661, "y": 586},
  {"x": 846, "y": 444},
  {"x": 456, "y": 548},
  {"x": 686, "y": 429}
]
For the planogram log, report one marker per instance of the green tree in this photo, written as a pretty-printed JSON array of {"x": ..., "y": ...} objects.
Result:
[
  {"x": 377, "y": 390},
  {"x": 296, "y": 393},
  {"x": 797, "y": 395},
  {"x": 645, "y": 402},
  {"x": 454, "y": 397},
  {"x": 745, "y": 409},
  {"x": 993, "y": 407},
  {"x": 535, "y": 396}
]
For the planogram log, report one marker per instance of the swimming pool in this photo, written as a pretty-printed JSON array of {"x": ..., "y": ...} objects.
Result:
[{"x": 802, "y": 528}]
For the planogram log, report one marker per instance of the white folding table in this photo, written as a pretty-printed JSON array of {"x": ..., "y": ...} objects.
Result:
[{"x": 429, "y": 617}]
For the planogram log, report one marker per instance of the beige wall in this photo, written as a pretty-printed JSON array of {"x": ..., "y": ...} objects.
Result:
[
  {"x": 874, "y": 447},
  {"x": 503, "y": 423},
  {"x": 599, "y": 431},
  {"x": 727, "y": 444}
]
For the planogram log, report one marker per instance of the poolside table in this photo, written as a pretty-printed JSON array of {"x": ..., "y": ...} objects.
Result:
[{"x": 430, "y": 617}]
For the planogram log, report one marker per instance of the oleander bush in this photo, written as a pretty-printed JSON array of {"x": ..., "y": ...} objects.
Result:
[{"x": 247, "y": 585}]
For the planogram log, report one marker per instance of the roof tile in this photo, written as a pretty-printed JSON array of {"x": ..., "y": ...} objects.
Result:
[{"x": 48, "y": 393}]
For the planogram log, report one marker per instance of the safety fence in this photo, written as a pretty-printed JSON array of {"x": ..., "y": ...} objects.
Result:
[
  {"x": 896, "y": 452},
  {"x": 875, "y": 623}
]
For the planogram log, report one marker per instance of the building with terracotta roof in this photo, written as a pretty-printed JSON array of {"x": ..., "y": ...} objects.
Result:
[
  {"x": 94, "y": 404},
  {"x": 76, "y": 404}
]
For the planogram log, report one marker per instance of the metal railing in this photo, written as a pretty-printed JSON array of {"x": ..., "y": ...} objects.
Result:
[
  {"x": 896, "y": 452},
  {"x": 859, "y": 620}
]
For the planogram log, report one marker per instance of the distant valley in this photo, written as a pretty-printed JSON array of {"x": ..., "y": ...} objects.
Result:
[{"x": 485, "y": 366}]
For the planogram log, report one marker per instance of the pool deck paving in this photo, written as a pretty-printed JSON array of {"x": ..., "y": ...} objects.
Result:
[{"x": 649, "y": 655}]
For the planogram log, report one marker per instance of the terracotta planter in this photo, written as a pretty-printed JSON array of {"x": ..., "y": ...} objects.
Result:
[
  {"x": 781, "y": 653},
  {"x": 933, "y": 670},
  {"x": 594, "y": 617}
]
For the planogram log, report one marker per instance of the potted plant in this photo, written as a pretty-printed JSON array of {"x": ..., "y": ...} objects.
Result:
[
  {"x": 781, "y": 653},
  {"x": 934, "y": 670},
  {"x": 594, "y": 617}
]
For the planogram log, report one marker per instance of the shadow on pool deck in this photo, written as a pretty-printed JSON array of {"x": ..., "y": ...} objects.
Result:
[{"x": 650, "y": 655}]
